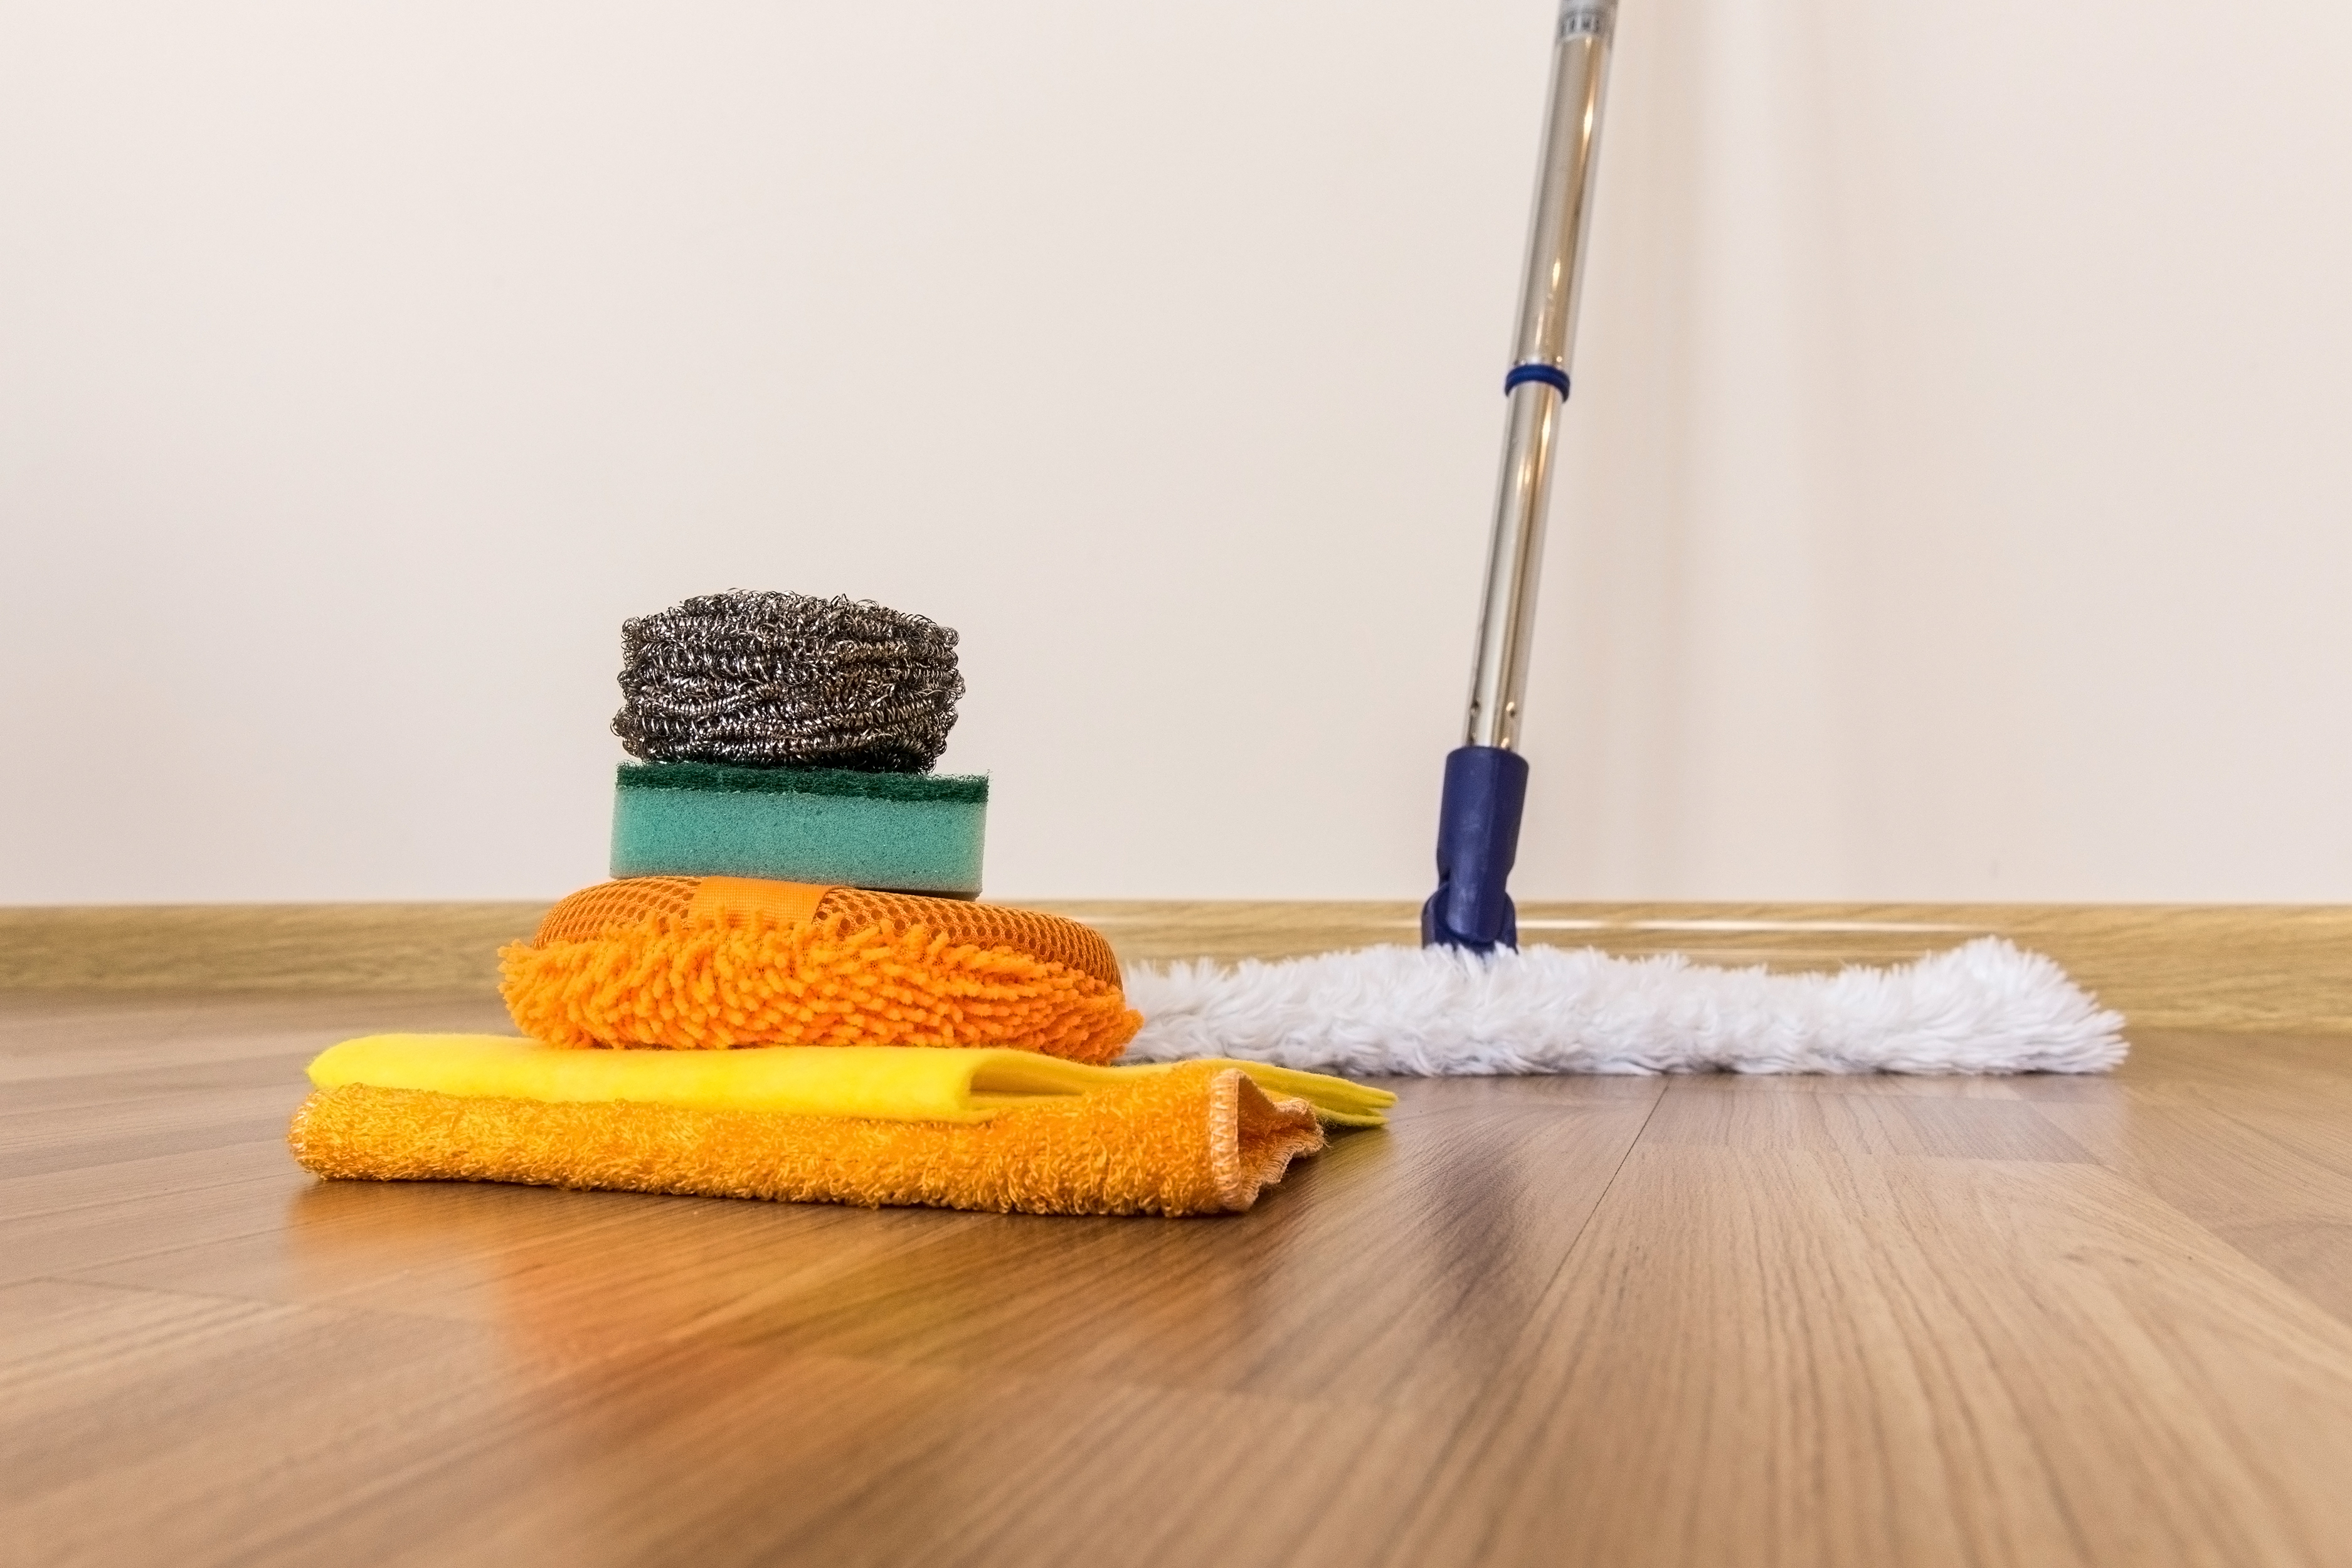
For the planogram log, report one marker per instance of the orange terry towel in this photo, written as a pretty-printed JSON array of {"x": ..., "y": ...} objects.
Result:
[
  {"x": 710, "y": 962},
  {"x": 1201, "y": 1138}
]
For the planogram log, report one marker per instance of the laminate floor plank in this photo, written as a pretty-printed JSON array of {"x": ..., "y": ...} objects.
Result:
[
  {"x": 1870, "y": 1086},
  {"x": 557, "y": 1268},
  {"x": 155, "y": 1427},
  {"x": 44, "y": 1023},
  {"x": 33, "y": 1143},
  {"x": 738, "y": 1458},
  {"x": 140, "y": 1426},
  {"x": 51, "y": 1094},
  {"x": 1727, "y": 1114},
  {"x": 64, "y": 1221},
  {"x": 2267, "y": 1169}
]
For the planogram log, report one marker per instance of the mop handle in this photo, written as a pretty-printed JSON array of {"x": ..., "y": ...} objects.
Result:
[{"x": 1537, "y": 385}]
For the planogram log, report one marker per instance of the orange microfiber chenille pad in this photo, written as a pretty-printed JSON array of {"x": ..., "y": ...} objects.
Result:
[
  {"x": 711, "y": 962},
  {"x": 1200, "y": 1139}
]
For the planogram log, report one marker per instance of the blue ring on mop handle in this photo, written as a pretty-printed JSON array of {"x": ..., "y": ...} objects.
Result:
[{"x": 1551, "y": 375}]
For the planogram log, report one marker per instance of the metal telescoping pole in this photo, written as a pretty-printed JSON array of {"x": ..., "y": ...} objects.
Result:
[{"x": 1485, "y": 779}]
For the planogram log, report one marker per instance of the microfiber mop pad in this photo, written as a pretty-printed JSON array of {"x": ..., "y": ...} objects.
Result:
[
  {"x": 1986, "y": 1007},
  {"x": 712, "y": 962},
  {"x": 917, "y": 833}
]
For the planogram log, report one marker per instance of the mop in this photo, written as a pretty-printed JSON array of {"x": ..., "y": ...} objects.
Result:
[{"x": 1469, "y": 1001}]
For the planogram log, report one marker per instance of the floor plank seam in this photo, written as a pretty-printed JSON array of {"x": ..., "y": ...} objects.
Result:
[
  {"x": 139, "y": 1201},
  {"x": 83, "y": 1279},
  {"x": 76, "y": 1283},
  {"x": 2140, "y": 1184}
]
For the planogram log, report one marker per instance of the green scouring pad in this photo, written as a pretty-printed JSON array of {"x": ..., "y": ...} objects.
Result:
[{"x": 909, "y": 833}]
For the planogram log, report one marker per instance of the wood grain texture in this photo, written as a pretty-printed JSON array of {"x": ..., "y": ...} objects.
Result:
[
  {"x": 2236, "y": 967},
  {"x": 1537, "y": 1322},
  {"x": 1799, "y": 1352}
]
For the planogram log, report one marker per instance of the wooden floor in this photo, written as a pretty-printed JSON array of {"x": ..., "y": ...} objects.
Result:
[{"x": 1623, "y": 1322}]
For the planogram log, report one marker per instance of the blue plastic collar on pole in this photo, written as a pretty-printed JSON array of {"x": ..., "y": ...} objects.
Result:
[
  {"x": 1551, "y": 375},
  {"x": 1477, "y": 839}
]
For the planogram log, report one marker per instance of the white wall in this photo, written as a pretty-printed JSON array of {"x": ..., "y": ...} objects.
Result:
[{"x": 1954, "y": 505}]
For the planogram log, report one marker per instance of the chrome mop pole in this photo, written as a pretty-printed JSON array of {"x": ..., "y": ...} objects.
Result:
[{"x": 1485, "y": 778}]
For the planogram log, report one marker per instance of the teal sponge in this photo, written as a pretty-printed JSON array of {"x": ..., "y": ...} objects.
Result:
[{"x": 910, "y": 833}]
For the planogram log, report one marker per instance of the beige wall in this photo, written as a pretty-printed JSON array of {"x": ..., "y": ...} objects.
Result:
[{"x": 1954, "y": 505}]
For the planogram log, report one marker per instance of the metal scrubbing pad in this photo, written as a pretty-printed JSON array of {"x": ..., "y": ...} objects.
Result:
[{"x": 771, "y": 679}]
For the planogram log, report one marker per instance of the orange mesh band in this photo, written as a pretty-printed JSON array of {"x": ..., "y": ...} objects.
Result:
[
  {"x": 1050, "y": 937},
  {"x": 637, "y": 901}
]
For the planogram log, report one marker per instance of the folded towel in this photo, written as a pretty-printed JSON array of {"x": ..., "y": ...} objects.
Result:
[
  {"x": 1196, "y": 1138},
  {"x": 896, "y": 1083},
  {"x": 702, "y": 962}
]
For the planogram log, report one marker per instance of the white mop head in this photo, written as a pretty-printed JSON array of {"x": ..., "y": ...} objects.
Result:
[{"x": 1987, "y": 1007}]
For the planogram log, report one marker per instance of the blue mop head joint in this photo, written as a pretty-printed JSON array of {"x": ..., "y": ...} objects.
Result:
[{"x": 1477, "y": 839}]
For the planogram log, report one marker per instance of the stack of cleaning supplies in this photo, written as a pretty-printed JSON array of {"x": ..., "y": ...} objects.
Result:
[{"x": 773, "y": 999}]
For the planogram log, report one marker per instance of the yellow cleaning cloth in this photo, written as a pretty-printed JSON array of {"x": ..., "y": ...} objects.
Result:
[
  {"x": 1196, "y": 1138},
  {"x": 898, "y": 1083}
]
